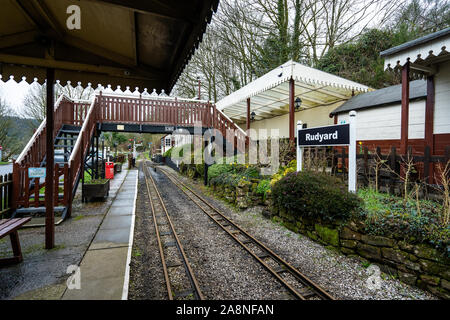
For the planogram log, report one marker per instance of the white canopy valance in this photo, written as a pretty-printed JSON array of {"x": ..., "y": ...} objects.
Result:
[{"x": 270, "y": 93}]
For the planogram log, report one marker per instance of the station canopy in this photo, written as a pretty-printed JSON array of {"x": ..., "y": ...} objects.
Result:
[
  {"x": 269, "y": 94},
  {"x": 423, "y": 53},
  {"x": 137, "y": 43}
]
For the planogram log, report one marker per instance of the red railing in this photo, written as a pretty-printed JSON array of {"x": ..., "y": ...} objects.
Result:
[
  {"x": 121, "y": 109},
  {"x": 26, "y": 190},
  {"x": 107, "y": 109},
  {"x": 81, "y": 147},
  {"x": 222, "y": 123}
]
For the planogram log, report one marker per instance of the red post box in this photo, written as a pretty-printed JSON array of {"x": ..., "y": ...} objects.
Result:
[{"x": 109, "y": 170}]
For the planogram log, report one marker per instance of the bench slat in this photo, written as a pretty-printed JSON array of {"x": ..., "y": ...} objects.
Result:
[
  {"x": 12, "y": 225},
  {"x": 3, "y": 221},
  {"x": 7, "y": 223}
]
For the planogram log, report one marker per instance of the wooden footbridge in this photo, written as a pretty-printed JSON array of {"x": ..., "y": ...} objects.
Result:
[{"x": 77, "y": 126}]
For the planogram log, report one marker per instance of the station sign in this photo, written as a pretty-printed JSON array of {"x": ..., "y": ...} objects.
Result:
[
  {"x": 336, "y": 135},
  {"x": 36, "y": 172}
]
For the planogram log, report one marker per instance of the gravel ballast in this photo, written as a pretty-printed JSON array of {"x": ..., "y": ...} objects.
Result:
[
  {"x": 343, "y": 277},
  {"x": 224, "y": 270}
]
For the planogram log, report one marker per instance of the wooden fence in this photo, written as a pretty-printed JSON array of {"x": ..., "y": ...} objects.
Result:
[
  {"x": 5, "y": 194},
  {"x": 384, "y": 170}
]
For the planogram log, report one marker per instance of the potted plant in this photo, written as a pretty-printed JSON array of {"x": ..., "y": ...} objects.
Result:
[{"x": 95, "y": 189}]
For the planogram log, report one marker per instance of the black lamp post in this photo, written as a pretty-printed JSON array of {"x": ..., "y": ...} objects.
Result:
[
  {"x": 252, "y": 116},
  {"x": 298, "y": 103}
]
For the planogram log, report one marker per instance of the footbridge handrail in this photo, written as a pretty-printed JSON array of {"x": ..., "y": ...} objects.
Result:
[
  {"x": 106, "y": 108},
  {"x": 77, "y": 155},
  {"x": 38, "y": 131}
]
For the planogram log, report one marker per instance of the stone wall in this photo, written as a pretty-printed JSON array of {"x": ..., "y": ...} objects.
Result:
[
  {"x": 243, "y": 195},
  {"x": 413, "y": 263}
]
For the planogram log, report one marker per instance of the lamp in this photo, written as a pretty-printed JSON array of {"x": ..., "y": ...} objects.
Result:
[
  {"x": 298, "y": 103},
  {"x": 252, "y": 116}
]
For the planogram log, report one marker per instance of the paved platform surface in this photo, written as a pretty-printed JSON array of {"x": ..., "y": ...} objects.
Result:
[
  {"x": 104, "y": 269},
  {"x": 43, "y": 273}
]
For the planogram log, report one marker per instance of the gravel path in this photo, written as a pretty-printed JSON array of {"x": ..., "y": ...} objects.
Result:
[{"x": 343, "y": 277}]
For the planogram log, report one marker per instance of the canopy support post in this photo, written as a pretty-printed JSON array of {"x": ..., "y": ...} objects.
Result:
[
  {"x": 291, "y": 111},
  {"x": 405, "y": 109},
  {"x": 248, "y": 113},
  {"x": 50, "y": 157},
  {"x": 429, "y": 122}
]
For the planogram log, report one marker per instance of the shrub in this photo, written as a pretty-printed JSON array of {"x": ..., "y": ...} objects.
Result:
[
  {"x": 217, "y": 169},
  {"x": 263, "y": 187},
  {"x": 386, "y": 214},
  {"x": 314, "y": 195},
  {"x": 168, "y": 153},
  {"x": 283, "y": 171},
  {"x": 183, "y": 167},
  {"x": 252, "y": 172},
  {"x": 200, "y": 169}
]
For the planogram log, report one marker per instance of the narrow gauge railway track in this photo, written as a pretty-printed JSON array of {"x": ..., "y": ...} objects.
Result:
[
  {"x": 300, "y": 286},
  {"x": 174, "y": 267}
]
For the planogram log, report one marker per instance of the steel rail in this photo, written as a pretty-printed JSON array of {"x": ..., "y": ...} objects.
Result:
[
  {"x": 190, "y": 274},
  {"x": 158, "y": 237},
  {"x": 315, "y": 288}
]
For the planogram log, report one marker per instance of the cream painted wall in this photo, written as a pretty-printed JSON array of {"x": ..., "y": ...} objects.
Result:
[
  {"x": 383, "y": 123},
  {"x": 313, "y": 118},
  {"x": 178, "y": 139},
  {"x": 442, "y": 99}
]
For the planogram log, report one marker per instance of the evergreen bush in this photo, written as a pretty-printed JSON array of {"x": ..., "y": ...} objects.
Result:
[{"x": 315, "y": 195}]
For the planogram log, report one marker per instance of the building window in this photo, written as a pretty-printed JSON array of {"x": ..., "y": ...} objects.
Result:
[{"x": 168, "y": 142}]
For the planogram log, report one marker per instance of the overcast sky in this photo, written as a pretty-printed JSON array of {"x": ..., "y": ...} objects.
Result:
[{"x": 13, "y": 93}]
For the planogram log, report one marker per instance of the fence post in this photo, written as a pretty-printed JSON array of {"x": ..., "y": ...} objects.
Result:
[
  {"x": 70, "y": 186},
  {"x": 426, "y": 165},
  {"x": 343, "y": 162},
  {"x": 15, "y": 185},
  {"x": 377, "y": 169},
  {"x": 392, "y": 162},
  {"x": 366, "y": 166}
]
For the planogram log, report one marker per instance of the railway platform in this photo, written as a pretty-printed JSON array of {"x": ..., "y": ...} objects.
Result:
[{"x": 104, "y": 269}]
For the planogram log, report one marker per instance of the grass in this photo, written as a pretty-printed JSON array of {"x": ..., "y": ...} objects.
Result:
[
  {"x": 3, "y": 162},
  {"x": 136, "y": 252},
  {"x": 382, "y": 202}
]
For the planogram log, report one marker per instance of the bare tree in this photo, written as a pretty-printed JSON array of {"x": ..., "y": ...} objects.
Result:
[
  {"x": 35, "y": 100},
  {"x": 247, "y": 38},
  {"x": 10, "y": 144}
]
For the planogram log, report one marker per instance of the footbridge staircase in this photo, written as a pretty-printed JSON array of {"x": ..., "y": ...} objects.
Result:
[{"x": 77, "y": 124}]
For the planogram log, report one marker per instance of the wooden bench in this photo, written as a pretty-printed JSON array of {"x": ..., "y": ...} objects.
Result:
[{"x": 10, "y": 226}]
